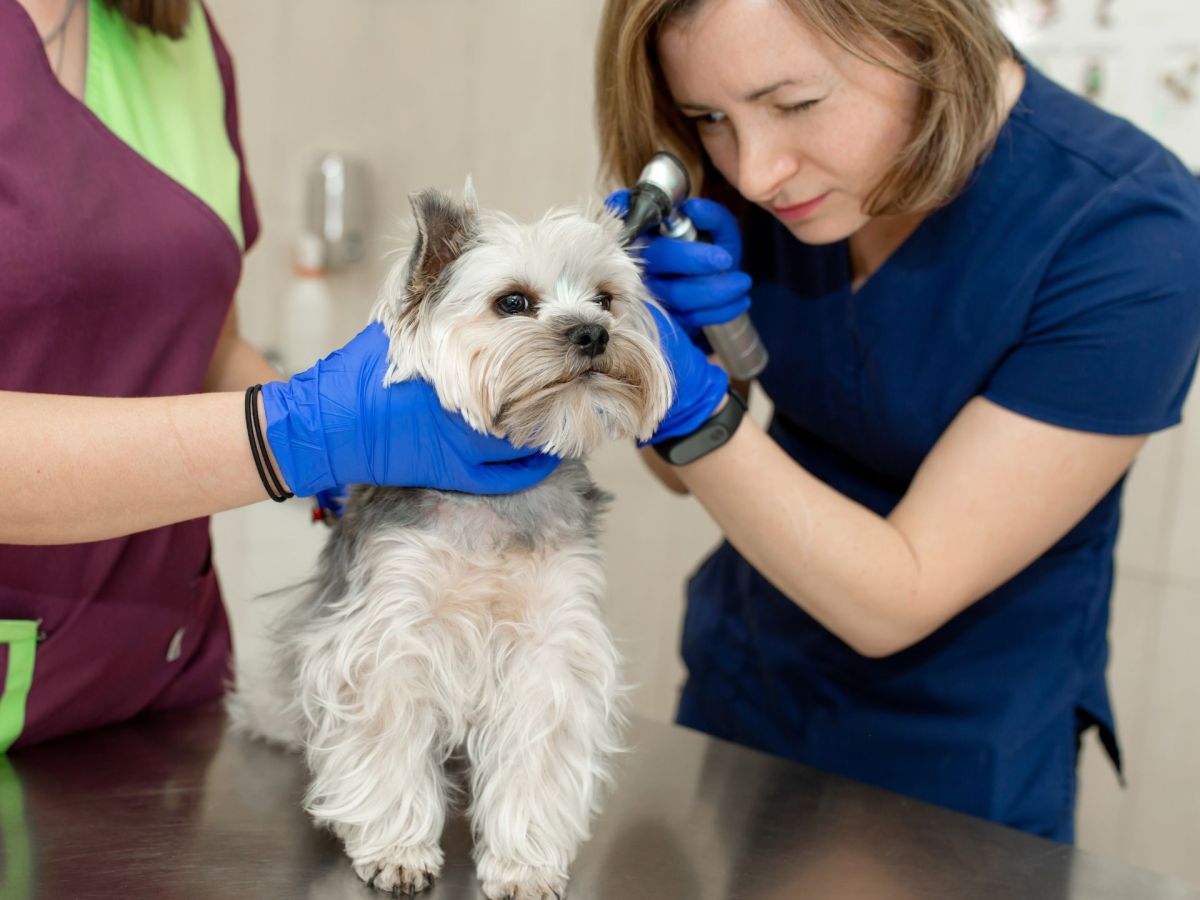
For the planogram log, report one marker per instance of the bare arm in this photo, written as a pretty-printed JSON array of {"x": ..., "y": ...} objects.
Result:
[
  {"x": 85, "y": 468},
  {"x": 235, "y": 364},
  {"x": 996, "y": 491},
  {"x": 664, "y": 471}
]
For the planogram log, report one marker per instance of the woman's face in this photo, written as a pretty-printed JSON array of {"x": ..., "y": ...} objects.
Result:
[{"x": 796, "y": 124}]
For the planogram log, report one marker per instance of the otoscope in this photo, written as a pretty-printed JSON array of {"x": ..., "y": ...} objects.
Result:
[{"x": 656, "y": 199}]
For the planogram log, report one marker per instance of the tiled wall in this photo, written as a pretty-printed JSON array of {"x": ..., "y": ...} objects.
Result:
[
  {"x": 1147, "y": 56},
  {"x": 1138, "y": 58},
  {"x": 426, "y": 91}
]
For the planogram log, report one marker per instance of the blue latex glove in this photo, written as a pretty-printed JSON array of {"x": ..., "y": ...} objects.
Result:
[
  {"x": 337, "y": 424},
  {"x": 697, "y": 281},
  {"x": 699, "y": 385},
  {"x": 329, "y": 505}
]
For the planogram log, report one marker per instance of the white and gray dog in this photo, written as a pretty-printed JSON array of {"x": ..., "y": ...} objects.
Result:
[{"x": 443, "y": 619}]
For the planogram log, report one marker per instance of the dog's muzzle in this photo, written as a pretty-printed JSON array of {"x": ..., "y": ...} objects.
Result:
[{"x": 590, "y": 340}]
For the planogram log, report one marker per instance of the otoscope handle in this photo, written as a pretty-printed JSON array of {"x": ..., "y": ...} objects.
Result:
[
  {"x": 738, "y": 345},
  {"x": 736, "y": 342}
]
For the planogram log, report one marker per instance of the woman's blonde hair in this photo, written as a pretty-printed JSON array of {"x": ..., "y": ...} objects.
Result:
[
  {"x": 952, "y": 50},
  {"x": 169, "y": 17}
]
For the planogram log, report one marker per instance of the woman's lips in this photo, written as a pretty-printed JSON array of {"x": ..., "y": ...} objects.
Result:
[{"x": 800, "y": 210}]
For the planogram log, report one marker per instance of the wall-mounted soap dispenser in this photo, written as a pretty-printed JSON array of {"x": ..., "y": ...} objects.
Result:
[{"x": 335, "y": 207}]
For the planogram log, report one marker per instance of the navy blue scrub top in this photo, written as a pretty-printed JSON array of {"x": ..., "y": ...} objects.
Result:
[{"x": 1062, "y": 284}]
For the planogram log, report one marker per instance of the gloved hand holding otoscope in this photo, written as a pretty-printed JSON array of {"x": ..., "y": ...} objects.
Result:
[{"x": 658, "y": 199}]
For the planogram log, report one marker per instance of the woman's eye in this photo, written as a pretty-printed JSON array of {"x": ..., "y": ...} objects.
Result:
[
  {"x": 605, "y": 301},
  {"x": 708, "y": 119},
  {"x": 513, "y": 304},
  {"x": 799, "y": 107}
]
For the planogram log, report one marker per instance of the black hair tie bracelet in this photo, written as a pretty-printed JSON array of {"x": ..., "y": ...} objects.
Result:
[{"x": 258, "y": 447}]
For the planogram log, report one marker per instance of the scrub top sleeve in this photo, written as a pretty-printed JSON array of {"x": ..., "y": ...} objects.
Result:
[
  {"x": 250, "y": 225},
  {"x": 1110, "y": 343}
]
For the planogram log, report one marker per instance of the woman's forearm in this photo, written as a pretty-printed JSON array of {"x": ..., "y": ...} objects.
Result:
[
  {"x": 83, "y": 468},
  {"x": 236, "y": 365},
  {"x": 846, "y": 566},
  {"x": 995, "y": 492},
  {"x": 663, "y": 471}
]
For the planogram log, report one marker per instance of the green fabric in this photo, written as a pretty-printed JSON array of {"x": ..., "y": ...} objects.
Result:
[
  {"x": 16, "y": 878},
  {"x": 21, "y": 637},
  {"x": 166, "y": 100}
]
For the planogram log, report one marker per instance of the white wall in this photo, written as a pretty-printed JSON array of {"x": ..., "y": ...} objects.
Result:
[
  {"x": 425, "y": 92},
  {"x": 428, "y": 90}
]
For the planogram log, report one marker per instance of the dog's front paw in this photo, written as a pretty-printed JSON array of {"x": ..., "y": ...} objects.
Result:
[
  {"x": 504, "y": 880},
  {"x": 403, "y": 871}
]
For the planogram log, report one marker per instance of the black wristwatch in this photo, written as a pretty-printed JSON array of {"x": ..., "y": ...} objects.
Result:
[{"x": 708, "y": 437}]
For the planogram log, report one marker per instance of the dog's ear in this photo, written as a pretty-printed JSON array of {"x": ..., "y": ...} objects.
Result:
[
  {"x": 470, "y": 198},
  {"x": 443, "y": 229}
]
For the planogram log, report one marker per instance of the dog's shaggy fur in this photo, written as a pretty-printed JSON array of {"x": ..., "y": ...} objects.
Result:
[{"x": 442, "y": 619}]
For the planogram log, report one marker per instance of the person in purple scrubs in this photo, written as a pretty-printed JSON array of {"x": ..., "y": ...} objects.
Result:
[
  {"x": 979, "y": 294},
  {"x": 123, "y": 376}
]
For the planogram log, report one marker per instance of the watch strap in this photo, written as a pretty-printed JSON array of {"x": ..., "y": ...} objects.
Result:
[{"x": 714, "y": 433}]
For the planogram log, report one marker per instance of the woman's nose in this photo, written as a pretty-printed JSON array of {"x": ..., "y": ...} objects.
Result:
[{"x": 765, "y": 165}]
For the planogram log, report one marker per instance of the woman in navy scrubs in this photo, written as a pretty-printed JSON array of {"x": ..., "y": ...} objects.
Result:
[{"x": 979, "y": 294}]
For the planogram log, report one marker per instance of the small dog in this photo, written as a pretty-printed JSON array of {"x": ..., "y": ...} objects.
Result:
[{"x": 441, "y": 618}]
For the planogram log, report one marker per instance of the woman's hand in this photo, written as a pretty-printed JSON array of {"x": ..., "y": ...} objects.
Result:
[
  {"x": 700, "y": 386},
  {"x": 697, "y": 281},
  {"x": 337, "y": 424}
]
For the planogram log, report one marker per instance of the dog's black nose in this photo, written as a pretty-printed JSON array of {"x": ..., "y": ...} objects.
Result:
[{"x": 590, "y": 339}]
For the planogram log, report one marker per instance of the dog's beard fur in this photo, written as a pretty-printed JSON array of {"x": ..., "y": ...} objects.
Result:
[
  {"x": 443, "y": 619},
  {"x": 520, "y": 376}
]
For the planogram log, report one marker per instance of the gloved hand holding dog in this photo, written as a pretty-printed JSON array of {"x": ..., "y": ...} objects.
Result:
[
  {"x": 337, "y": 424},
  {"x": 700, "y": 386},
  {"x": 698, "y": 284}
]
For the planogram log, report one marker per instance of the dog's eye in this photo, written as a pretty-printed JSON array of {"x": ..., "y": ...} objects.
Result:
[
  {"x": 513, "y": 304},
  {"x": 605, "y": 301}
]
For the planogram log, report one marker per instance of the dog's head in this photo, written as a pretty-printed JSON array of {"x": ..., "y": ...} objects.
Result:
[{"x": 536, "y": 333}]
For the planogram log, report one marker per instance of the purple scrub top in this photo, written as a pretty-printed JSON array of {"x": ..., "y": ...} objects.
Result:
[{"x": 115, "y": 281}]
